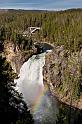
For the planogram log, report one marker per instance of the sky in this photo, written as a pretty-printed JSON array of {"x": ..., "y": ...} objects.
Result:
[{"x": 40, "y": 4}]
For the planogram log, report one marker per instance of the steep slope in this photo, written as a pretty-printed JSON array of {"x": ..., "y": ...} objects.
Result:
[{"x": 62, "y": 73}]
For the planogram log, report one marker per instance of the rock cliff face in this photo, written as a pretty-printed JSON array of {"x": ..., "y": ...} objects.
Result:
[
  {"x": 62, "y": 73},
  {"x": 12, "y": 55},
  {"x": 15, "y": 56}
]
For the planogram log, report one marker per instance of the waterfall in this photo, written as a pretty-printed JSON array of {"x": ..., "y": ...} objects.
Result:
[{"x": 35, "y": 94}]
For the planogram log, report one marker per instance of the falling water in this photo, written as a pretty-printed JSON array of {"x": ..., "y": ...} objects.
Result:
[{"x": 37, "y": 96}]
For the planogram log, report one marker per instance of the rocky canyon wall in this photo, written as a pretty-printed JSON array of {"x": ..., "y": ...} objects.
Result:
[
  {"x": 15, "y": 56},
  {"x": 62, "y": 73}
]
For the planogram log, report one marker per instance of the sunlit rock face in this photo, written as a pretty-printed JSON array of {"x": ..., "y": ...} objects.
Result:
[
  {"x": 59, "y": 66},
  {"x": 36, "y": 95}
]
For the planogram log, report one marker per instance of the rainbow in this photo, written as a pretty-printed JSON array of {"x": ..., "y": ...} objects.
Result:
[{"x": 38, "y": 99}]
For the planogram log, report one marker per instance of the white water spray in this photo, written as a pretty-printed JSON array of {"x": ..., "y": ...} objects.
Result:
[{"x": 30, "y": 84}]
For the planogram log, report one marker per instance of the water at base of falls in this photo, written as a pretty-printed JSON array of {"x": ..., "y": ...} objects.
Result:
[
  {"x": 47, "y": 111},
  {"x": 30, "y": 84}
]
